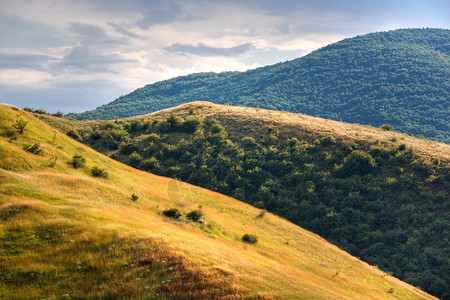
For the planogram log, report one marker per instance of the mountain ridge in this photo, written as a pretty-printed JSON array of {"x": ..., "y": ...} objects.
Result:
[{"x": 397, "y": 77}]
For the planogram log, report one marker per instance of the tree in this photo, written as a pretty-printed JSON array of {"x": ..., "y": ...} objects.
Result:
[
  {"x": 357, "y": 163},
  {"x": 20, "y": 125}
]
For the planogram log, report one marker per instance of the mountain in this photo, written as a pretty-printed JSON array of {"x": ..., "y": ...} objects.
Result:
[
  {"x": 65, "y": 233},
  {"x": 397, "y": 77},
  {"x": 378, "y": 194}
]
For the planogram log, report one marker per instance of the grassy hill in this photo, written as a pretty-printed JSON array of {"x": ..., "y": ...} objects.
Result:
[
  {"x": 67, "y": 234},
  {"x": 381, "y": 195},
  {"x": 398, "y": 77}
]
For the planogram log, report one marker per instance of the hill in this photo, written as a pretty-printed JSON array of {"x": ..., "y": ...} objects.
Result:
[
  {"x": 378, "y": 194},
  {"x": 67, "y": 234},
  {"x": 398, "y": 77}
]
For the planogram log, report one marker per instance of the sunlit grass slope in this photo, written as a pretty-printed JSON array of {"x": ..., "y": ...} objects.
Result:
[{"x": 66, "y": 234}]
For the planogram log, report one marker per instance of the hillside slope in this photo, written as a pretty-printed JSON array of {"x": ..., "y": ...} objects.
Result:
[
  {"x": 398, "y": 77},
  {"x": 381, "y": 195},
  {"x": 66, "y": 234}
]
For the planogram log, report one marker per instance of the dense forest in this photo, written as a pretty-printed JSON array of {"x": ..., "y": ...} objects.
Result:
[
  {"x": 378, "y": 200},
  {"x": 398, "y": 77}
]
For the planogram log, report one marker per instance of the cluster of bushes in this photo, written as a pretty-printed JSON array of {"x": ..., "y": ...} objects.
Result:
[
  {"x": 174, "y": 213},
  {"x": 78, "y": 161},
  {"x": 368, "y": 198},
  {"x": 43, "y": 112}
]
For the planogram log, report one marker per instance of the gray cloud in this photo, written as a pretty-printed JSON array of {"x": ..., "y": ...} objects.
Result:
[
  {"x": 162, "y": 12},
  {"x": 123, "y": 30},
  {"x": 204, "y": 50},
  {"x": 32, "y": 61},
  {"x": 91, "y": 35},
  {"x": 89, "y": 59}
]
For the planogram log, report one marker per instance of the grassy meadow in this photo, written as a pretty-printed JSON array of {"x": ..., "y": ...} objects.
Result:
[{"x": 67, "y": 234}]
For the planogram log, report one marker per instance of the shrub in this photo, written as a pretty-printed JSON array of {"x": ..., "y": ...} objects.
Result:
[
  {"x": 127, "y": 147},
  {"x": 191, "y": 125},
  {"x": 358, "y": 162},
  {"x": 261, "y": 214},
  {"x": 75, "y": 135},
  {"x": 249, "y": 238},
  {"x": 386, "y": 127},
  {"x": 35, "y": 148},
  {"x": 98, "y": 172},
  {"x": 172, "y": 213},
  {"x": 134, "y": 197},
  {"x": 20, "y": 125},
  {"x": 328, "y": 140},
  {"x": 194, "y": 215},
  {"x": 149, "y": 164},
  {"x": 77, "y": 161},
  {"x": 58, "y": 114},
  {"x": 135, "y": 159}
]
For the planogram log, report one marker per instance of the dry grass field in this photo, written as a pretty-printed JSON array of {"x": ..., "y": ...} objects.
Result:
[{"x": 67, "y": 234}]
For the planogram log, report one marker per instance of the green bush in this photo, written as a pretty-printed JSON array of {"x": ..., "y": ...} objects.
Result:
[
  {"x": 386, "y": 127},
  {"x": 35, "y": 148},
  {"x": 75, "y": 135},
  {"x": 78, "y": 161},
  {"x": 98, "y": 172},
  {"x": 20, "y": 125},
  {"x": 172, "y": 213},
  {"x": 135, "y": 159},
  {"x": 194, "y": 215},
  {"x": 357, "y": 163},
  {"x": 328, "y": 140},
  {"x": 249, "y": 238}
]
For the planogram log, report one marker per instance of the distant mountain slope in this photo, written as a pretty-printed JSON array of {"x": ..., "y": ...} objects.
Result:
[
  {"x": 398, "y": 77},
  {"x": 67, "y": 234},
  {"x": 381, "y": 195}
]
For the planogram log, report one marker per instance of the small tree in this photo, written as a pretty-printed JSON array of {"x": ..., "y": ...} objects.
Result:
[
  {"x": 194, "y": 215},
  {"x": 134, "y": 197},
  {"x": 77, "y": 161},
  {"x": 172, "y": 213},
  {"x": 35, "y": 148},
  {"x": 386, "y": 127},
  {"x": 249, "y": 238},
  {"x": 20, "y": 125},
  {"x": 98, "y": 172}
]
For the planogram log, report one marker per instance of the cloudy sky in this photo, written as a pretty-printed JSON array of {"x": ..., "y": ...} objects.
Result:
[{"x": 73, "y": 56}]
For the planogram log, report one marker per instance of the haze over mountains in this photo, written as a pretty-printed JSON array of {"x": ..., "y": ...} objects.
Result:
[{"x": 398, "y": 77}]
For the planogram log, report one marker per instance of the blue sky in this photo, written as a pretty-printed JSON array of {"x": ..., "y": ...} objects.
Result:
[{"x": 73, "y": 56}]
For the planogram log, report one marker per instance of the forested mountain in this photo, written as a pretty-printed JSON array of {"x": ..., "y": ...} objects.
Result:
[
  {"x": 378, "y": 194},
  {"x": 398, "y": 77}
]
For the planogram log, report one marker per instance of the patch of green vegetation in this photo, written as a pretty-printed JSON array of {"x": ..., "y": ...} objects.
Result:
[{"x": 24, "y": 192}]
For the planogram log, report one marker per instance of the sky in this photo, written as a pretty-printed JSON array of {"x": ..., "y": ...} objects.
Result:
[{"x": 73, "y": 56}]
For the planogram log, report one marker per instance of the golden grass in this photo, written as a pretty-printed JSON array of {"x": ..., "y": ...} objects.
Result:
[{"x": 66, "y": 234}]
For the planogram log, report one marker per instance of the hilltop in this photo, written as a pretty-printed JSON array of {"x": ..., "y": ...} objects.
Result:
[
  {"x": 379, "y": 194},
  {"x": 397, "y": 77},
  {"x": 67, "y": 234}
]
